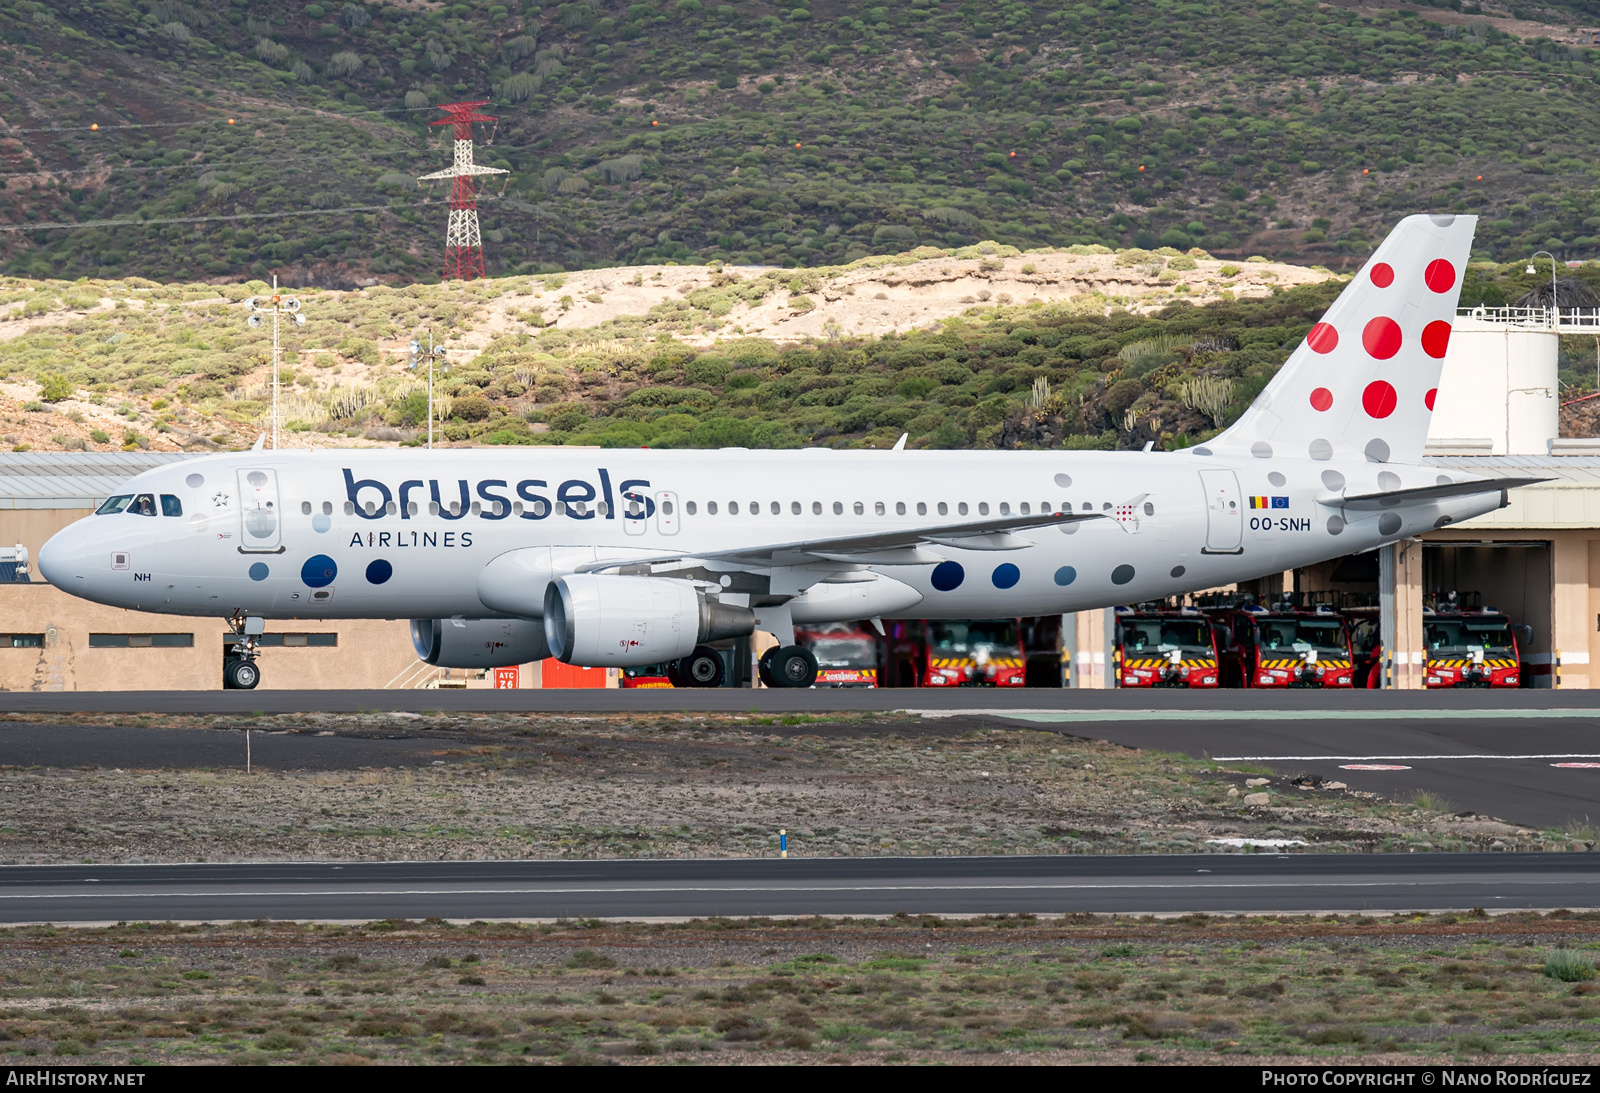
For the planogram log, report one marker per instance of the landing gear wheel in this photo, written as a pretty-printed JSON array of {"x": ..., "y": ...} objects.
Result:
[
  {"x": 793, "y": 666},
  {"x": 764, "y": 667},
  {"x": 241, "y": 675},
  {"x": 702, "y": 668}
]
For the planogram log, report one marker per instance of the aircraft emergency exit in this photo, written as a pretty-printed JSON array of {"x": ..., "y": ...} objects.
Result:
[{"x": 630, "y": 557}]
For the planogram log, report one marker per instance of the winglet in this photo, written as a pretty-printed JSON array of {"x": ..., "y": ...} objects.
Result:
[
  {"x": 261, "y": 442},
  {"x": 900, "y": 445}
]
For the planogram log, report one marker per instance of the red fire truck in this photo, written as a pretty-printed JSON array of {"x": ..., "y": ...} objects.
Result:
[
  {"x": 1161, "y": 645},
  {"x": 939, "y": 653},
  {"x": 649, "y": 675},
  {"x": 847, "y": 656},
  {"x": 1290, "y": 644},
  {"x": 1470, "y": 646}
]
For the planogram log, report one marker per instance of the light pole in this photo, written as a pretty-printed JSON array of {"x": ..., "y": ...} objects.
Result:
[
  {"x": 435, "y": 353},
  {"x": 1555, "y": 313},
  {"x": 278, "y": 305}
]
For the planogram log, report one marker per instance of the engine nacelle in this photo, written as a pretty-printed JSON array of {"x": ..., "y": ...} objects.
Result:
[
  {"x": 605, "y": 621},
  {"x": 478, "y": 643}
]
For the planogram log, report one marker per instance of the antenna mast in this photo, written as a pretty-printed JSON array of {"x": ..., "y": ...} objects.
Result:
[{"x": 463, "y": 243}]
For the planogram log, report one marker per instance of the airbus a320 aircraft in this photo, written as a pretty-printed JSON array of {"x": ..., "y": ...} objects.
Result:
[{"x": 632, "y": 557}]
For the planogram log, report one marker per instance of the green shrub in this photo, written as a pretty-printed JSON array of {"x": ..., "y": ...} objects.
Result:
[{"x": 1569, "y": 966}]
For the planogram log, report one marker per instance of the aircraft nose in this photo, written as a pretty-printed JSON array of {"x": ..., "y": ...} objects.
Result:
[{"x": 61, "y": 559}]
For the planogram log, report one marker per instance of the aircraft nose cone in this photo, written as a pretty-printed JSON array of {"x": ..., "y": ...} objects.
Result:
[{"x": 61, "y": 559}]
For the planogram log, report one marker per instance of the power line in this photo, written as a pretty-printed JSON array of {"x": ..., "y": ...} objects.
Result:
[
  {"x": 202, "y": 165},
  {"x": 9, "y": 130},
  {"x": 157, "y": 221}
]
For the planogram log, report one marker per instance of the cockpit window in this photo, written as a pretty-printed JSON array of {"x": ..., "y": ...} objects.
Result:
[
  {"x": 113, "y": 504},
  {"x": 143, "y": 505},
  {"x": 170, "y": 505}
]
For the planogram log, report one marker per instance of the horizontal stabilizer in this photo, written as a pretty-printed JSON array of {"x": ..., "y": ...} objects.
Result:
[{"x": 1395, "y": 498}]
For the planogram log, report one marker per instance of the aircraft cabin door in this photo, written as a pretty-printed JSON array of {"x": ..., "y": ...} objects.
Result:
[
  {"x": 667, "y": 512},
  {"x": 1224, "y": 513},
  {"x": 260, "y": 515}
]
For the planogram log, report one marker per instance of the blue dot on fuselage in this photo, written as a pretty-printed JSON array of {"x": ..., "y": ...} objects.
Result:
[
  {"x": 1122, "y": 574},
  {"x": 947, "y": 576},
  {"x": 379, "y": 571},
  {"x": 319, "y": 571},
  {"x": 259, "y": 571},
  {"x": 1066, "y": 575},
  {"x": 1006, "y": 575},
  {"x": 321, "y": 523}
]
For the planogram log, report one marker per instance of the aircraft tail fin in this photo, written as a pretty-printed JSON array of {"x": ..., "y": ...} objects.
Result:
[{"x": 1363, "y": 381}]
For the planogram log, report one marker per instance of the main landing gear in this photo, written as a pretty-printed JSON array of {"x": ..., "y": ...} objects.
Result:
[
  {"x": 701, "y": 668},
  {"x": 239, "y": 669},
  {"x": 788, "y": 666}
]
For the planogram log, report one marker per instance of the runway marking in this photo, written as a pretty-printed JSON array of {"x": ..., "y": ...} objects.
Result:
[
  {"x": 1090, "y": 716},
  {"x": 1379, "y": 758},
  {"x": 1372, "y": 766},
  {"x": 1586, "y": 766},
  {"x": 1186, "y": 883}
]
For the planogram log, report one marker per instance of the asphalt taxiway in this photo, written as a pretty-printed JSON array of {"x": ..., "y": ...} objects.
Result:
[{"x": 638, "y": 889}]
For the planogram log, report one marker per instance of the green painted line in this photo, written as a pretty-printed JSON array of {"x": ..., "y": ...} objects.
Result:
[{"x": 1070, "y": 717}]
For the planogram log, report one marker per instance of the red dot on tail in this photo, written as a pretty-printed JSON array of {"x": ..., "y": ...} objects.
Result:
[
  {"x": 1323, "y": 338},
  {"x": 1440, "y": 275},
  {"x": 1379, "y": 399},
  {"x": 1429, "y": 397},
  {"x": 1383, "y": 275},
  {"x": 1381, "y": 337},
  {"x": 1321, "y": 399},
  {"x": 1436, "y": 338}
]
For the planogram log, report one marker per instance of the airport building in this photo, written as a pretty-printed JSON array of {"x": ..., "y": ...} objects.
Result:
[{"x": 1537, "y": 559}]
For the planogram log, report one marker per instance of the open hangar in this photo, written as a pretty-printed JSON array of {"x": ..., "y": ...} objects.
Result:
[{"x": 1537, "y": 559}]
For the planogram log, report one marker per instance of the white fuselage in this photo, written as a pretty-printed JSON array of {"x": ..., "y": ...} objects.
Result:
[{"x": 286, "y": 535}]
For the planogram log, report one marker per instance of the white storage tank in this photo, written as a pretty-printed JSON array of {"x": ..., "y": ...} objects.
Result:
[{"x": 1498, "y": 392}]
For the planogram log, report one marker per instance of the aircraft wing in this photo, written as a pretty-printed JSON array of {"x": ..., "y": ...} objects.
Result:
[
  {"x": 898, "y": 547},
  {"x": 1394, "y": 498}
]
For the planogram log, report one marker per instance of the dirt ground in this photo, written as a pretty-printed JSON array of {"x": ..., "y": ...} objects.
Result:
[
  {"x": 1009, "y": 990},
  {"x": 386, "y": 787}
]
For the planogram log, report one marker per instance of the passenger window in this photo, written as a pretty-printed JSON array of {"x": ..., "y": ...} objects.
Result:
[
  {"x": 877, "y": 508},
  {"x": 961, "y": 507},
  {"x": 983, "y": 508},
  {"x": 711, "y": 508},
  {"x": 305, "y": 508},
  {"x": 690, "y": 507},
  {"x": 1023, "y": 508},
  {"x": 433, "y": 508},
  {"x": 1088, "y": 506},
  {"x": 899, "y": 508},
  {"x": 733, "y": 508},
  {"x": 944, "y": 509},
  {"x": 666, "y": 507},
  {"x": 143, "y": 505},
  {"x": 922, "y": 508},
  {"x": 372, "y": 508},
  {"x": 1005, "y": 508},
  {"x": 816, "y": 508},
  {"x": 516, "y": 508},
  {"x": 350, "y": 510},
  {"x": 602, "y": 508},
  {"x": 170, "y": 505},
  {"x": 838, "y": 508},
  {"x": 477, "y": 509},
  {"x": 561, "y": 508},
  {"x": 113, "y": 504},
  {"x": 538, "y": 508},
  {"x": 411, "y": 508},
  {"x": 777, "y": 509},
  {"x": 327, "y": 508},
  {"x": 1105, "y": 506},
  {"x": 1149, "y": 509},
  {"x": 755, "y": 508},
  {"x": 794, "y": 507},
  {"x": 860, "y": 508},
  {"x": 391, "y": 508}
]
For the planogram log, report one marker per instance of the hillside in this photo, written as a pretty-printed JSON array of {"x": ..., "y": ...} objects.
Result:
[
  {"x": 252, "y": 136},
  {"x": 982, "y": 347}
]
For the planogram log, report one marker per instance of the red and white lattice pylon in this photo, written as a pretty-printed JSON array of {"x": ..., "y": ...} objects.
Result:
[{"x": 463, "y": 243}]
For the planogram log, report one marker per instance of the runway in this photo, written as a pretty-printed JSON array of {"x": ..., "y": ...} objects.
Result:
[
  {"x": 637, "y": 889},
  {"x": 1090, "y": 705}
]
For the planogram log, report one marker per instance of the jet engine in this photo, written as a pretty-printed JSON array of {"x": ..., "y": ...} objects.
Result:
[
  {"x": 605, "y": 621},
  {"x": 478, "y": 643}
]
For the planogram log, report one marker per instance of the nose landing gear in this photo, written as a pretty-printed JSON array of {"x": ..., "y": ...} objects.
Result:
[{"x": 239, "y": 669}]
